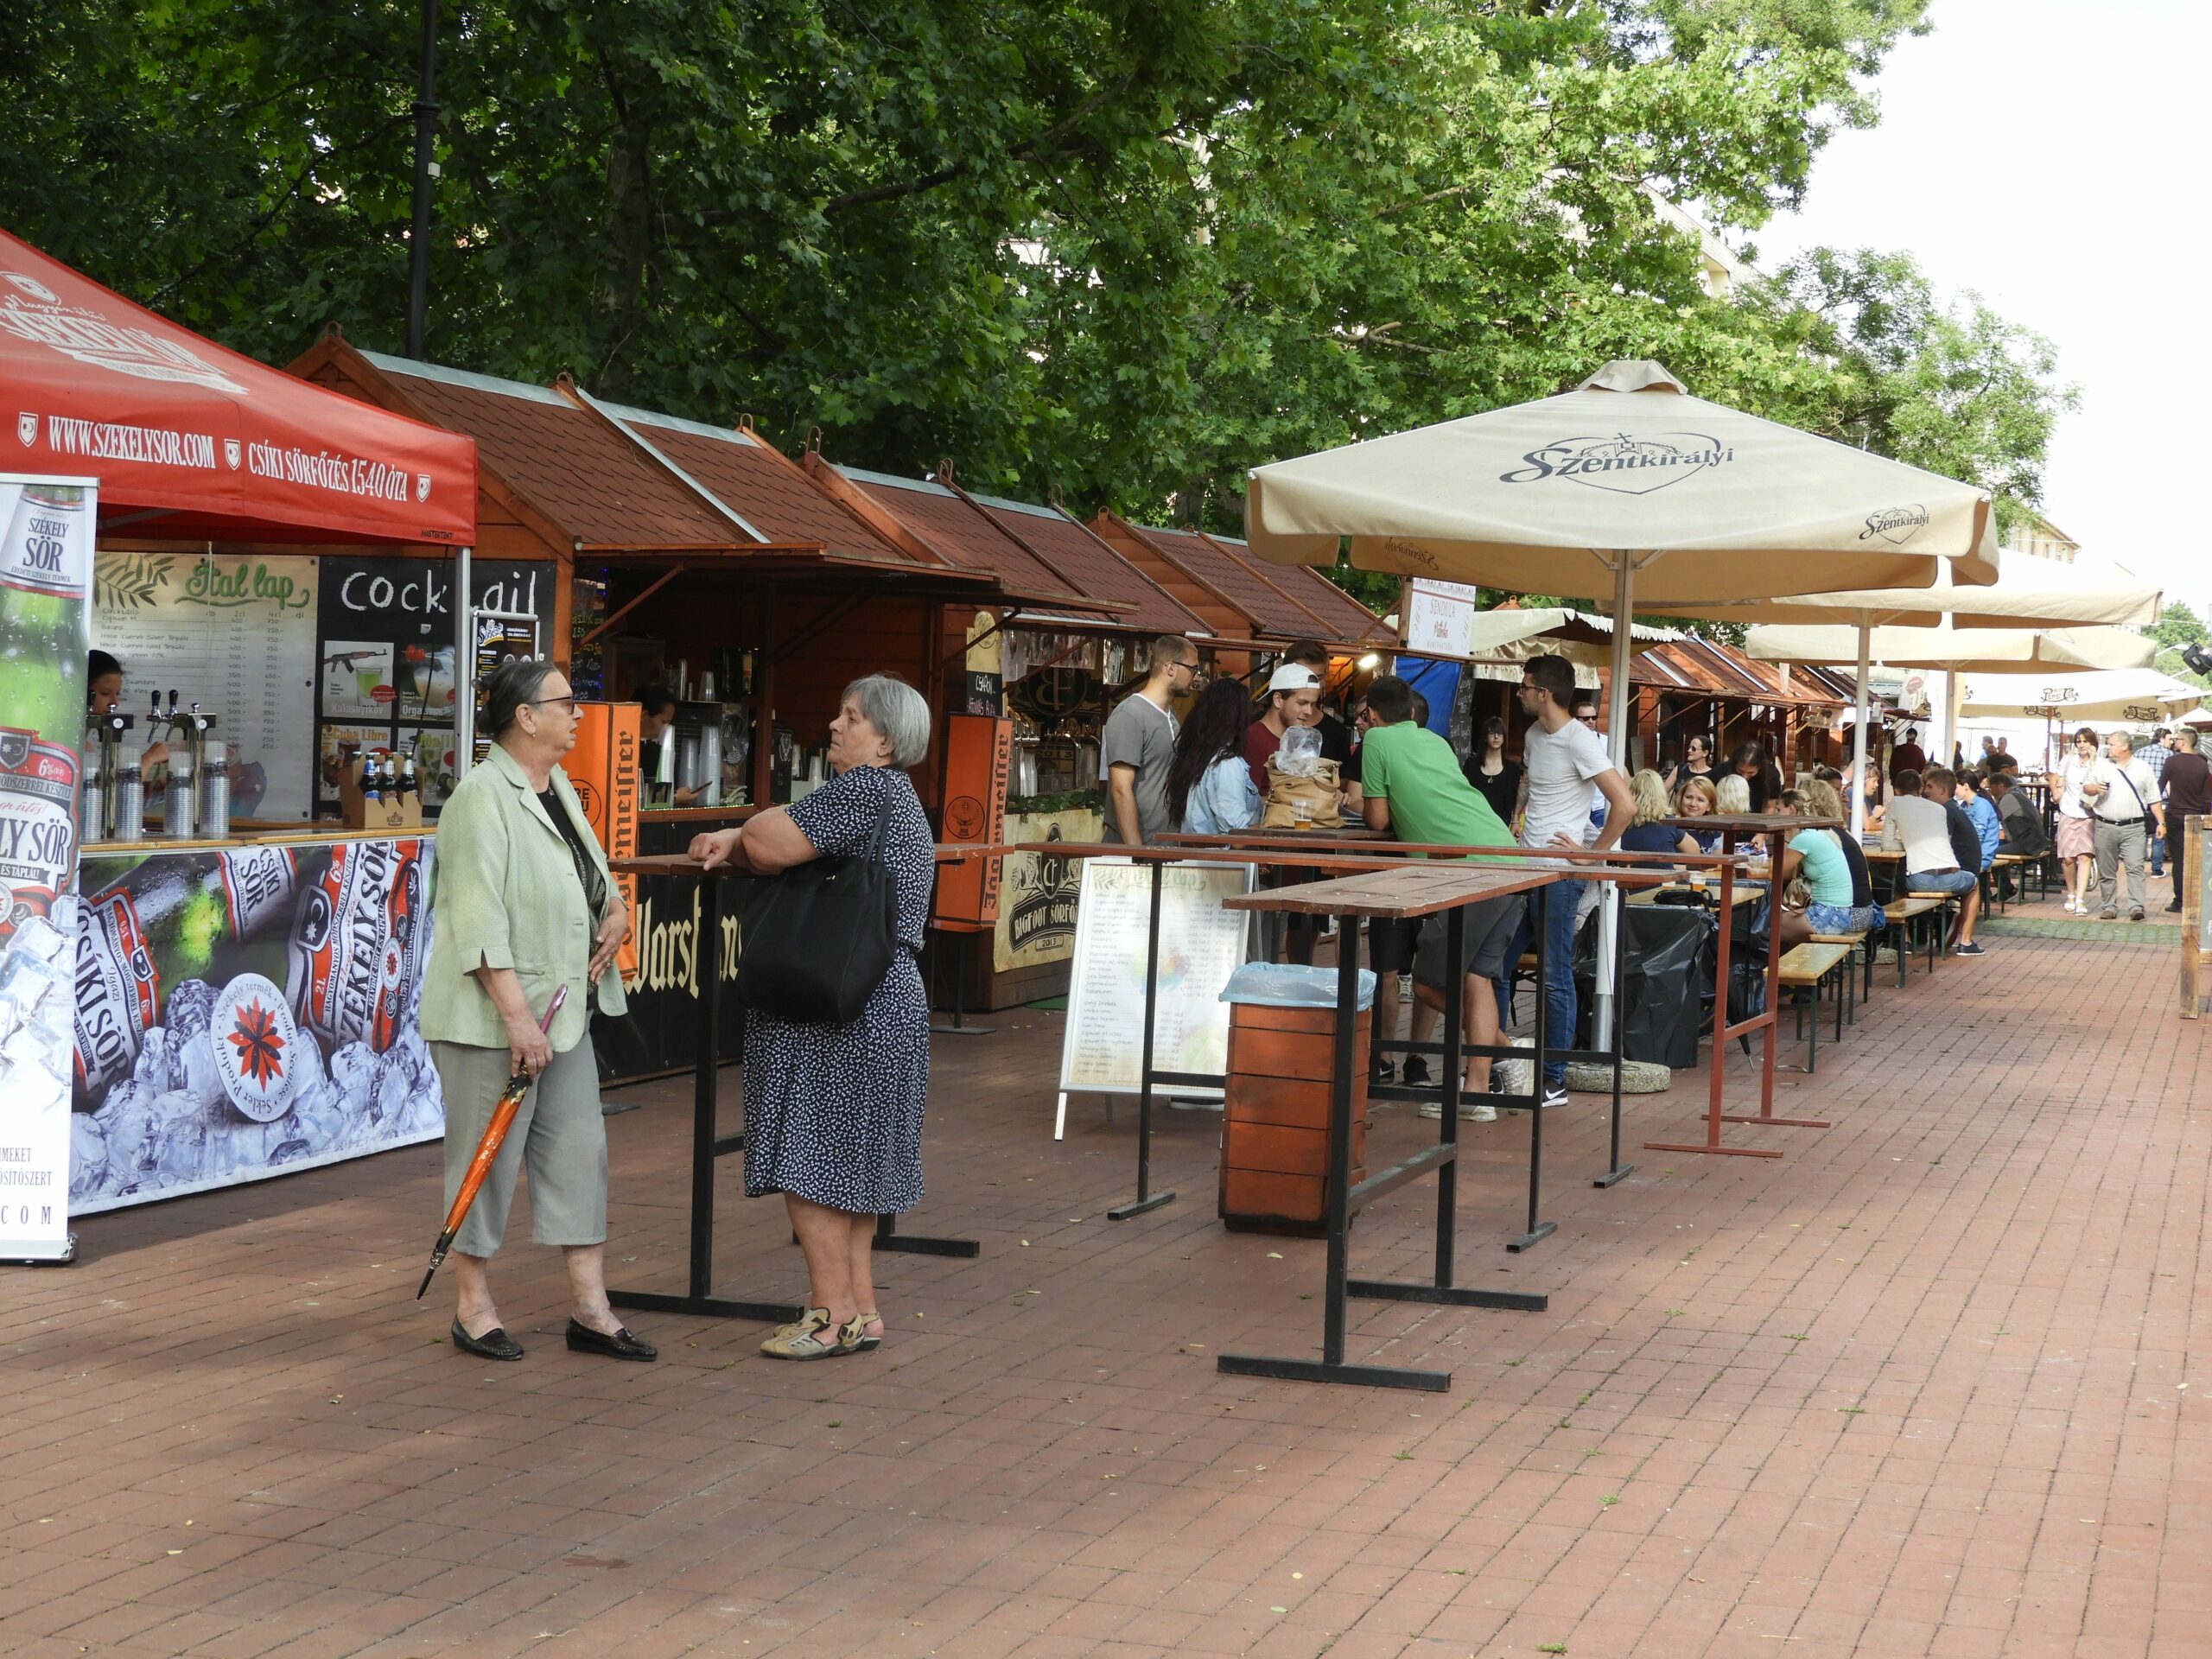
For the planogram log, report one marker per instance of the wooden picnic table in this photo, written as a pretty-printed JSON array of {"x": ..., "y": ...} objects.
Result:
[{"x": 1746, "y": 894}]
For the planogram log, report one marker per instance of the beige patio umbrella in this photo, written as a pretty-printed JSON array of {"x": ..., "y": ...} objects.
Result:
[
  {"x": 2140, "y": 695},
  {"x": 1953, "y": 648},
  {"x": 1630, "y": 490},
  {"x": 2029, "y": 593},
  {"x": 1957, "y": 649}
]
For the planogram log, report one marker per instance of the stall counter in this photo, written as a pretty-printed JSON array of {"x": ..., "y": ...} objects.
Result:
[{"x": 246, "y": 1008}]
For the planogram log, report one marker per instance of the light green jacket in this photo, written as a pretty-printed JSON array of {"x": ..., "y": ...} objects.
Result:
[{"x": 503, "y": 893}]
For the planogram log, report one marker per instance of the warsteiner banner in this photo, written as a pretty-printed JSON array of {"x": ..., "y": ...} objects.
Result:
[
  {"x": 45, "y": 573},
  {"x": 247, "y": 1013}
]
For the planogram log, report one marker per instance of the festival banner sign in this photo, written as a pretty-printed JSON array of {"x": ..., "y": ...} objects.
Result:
[
  {"x": 45, "y": 573},
  {"x": 248, "y": 1012}
]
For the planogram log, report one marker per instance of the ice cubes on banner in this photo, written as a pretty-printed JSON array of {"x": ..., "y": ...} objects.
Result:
[
  {"x": 190, "y": 1006},
  {"x": 88, "y": 1174}
]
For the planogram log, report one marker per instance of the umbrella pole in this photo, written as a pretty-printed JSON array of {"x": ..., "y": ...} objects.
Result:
[
  {"x": 1616, "y": 708},
  {"x": 1859, "y": 733}
]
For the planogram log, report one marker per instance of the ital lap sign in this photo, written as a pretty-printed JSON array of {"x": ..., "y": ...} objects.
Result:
[{"x": 45, "y": 565}]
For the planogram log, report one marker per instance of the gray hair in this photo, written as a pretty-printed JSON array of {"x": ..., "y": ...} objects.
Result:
[
  {"x": 2128, "y": 738},
  {"x": 899, "y": 714},
  {"x": 510, "y": 686}
]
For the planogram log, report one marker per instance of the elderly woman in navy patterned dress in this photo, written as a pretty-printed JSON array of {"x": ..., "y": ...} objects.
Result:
[{"x": 833, "y": 1114}]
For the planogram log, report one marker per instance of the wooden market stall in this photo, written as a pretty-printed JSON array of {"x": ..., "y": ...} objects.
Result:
[{"x": 247, "y": 963}]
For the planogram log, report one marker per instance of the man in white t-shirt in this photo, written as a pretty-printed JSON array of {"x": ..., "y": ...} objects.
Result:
[
  {"x": 1565, "y": 759},
  {"x": 2125, "y": 801}
]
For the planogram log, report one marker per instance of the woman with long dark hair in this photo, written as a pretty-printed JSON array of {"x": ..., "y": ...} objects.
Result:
[
  {"x": 1760, "y": 775},
  {"x": 1209, "y": 787},
  {"x": 1495, "y": 777}
]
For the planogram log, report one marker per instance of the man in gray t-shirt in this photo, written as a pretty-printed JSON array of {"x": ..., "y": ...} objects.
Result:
[{"x": 1140, "y": 744}]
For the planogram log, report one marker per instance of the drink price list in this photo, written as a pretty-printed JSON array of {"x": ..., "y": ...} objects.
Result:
[{"x": 236, "y": 635}]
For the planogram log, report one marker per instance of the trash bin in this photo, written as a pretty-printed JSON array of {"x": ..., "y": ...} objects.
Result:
[
  {"x": 1663, "y": 977},
  {"x": 1274, "y": 1128}
]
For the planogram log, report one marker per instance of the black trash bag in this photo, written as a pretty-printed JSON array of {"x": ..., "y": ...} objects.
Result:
[
  {"x": 1666, "y": 973},
  {"x": 1747, "y": 965}
]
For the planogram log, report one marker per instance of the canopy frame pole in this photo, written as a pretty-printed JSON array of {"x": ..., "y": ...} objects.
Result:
[
  {"x": 464, "y": 672},
  {"x": 1857, "y": 790}
]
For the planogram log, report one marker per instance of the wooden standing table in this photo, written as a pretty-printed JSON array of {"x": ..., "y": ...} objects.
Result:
[
  {"x": 707, "y": 1143},
  {"x": 1398, "y": 893}
]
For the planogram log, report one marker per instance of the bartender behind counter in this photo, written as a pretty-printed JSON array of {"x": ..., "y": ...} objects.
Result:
[
  {"x": 104, "y": 692},
  {"x": 656, "y": 713}
]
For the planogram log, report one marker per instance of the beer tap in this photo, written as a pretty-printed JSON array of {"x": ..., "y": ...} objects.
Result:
[{"x": 181, "y": 807}]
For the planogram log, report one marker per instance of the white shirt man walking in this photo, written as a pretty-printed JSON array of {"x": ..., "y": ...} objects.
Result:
[{"x": 2125, "y": 802}]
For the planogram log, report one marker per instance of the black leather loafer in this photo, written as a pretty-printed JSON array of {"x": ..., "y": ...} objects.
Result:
[
  {"x": 582, "y": 1339},
  {"x": 494, "y": 1344}
]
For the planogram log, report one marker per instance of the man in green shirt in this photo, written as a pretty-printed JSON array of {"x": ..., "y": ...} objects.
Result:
[{"x": 1411, "y": 783}]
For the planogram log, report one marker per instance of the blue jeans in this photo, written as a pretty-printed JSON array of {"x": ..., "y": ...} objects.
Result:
[
  {"x": 2157, "y": 855},
  {"x": 1953, "y": 882},
  {"x": 1562, "y": 899}
]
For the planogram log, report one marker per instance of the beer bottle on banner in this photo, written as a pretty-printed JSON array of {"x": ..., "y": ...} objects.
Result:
[
  {"x": 177, "y": 917},
  {"x": 43, "y": 587},
  {"x": 357, "y": 947},
  {"x": 38, "y": 826}
]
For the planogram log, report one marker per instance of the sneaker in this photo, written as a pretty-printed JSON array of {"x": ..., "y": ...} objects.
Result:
[
  {"x": 2135, "y": 913},
  {"x": 1414, "y": 1074},
  {"x": 1380, "y": 1069},
  {"x": 1968, "y": 951},
  {"x": 1467, "y": 1114},
  {"x": 2107, "y": 914},
  {"x": 1554, "y": 1094}
]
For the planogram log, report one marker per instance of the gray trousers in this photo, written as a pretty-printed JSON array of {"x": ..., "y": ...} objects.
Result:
[
  {"x": 2119, "y": 844},
  {"x": 558, "y": 1132}
]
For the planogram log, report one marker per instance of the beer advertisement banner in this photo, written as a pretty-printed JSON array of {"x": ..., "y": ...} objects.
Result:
[
  {"x": 247, "y": 1013},
  {"x": 45, "y": 573}
]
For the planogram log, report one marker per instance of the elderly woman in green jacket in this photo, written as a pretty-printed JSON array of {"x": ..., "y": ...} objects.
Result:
[{"x": 522, "y": 904}]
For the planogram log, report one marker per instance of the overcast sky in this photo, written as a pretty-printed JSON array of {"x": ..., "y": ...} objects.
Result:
[{"x": 2049, "y": 155}]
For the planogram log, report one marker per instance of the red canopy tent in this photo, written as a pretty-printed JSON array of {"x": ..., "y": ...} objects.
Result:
[{"x": 192, "y": 442}]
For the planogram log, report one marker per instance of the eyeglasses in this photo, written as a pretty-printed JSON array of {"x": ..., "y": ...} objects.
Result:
[{"x": 554, "y": 703}]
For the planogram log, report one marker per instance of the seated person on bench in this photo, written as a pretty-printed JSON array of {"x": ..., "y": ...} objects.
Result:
[
  {"x": 1818, "y": 856},
  {"x": 2019, "y": 825},
  {"x": 1942, "y": 851}
]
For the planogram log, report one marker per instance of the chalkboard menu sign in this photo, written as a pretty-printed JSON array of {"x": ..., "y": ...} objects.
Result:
[{"x": 385, "y": 674}]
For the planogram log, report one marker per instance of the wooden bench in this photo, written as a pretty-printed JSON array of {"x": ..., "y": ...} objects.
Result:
[
  {"x": 1909, "y": 912},
  {"x": 1808, "y": 968},
  {"x": 1859, "y": 941}
]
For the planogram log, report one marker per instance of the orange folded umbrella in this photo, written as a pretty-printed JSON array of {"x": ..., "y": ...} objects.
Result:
[{"x": 495, "y": 1133}]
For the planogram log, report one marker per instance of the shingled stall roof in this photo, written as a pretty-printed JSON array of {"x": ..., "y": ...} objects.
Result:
[
  {"x": 1343, "y": 616},
  {"x": 577, "y": 468},
  {"x": 1092, "y": 566},
  {"x": 1237, "y": 595},
  {"x": 1709, "y": 668},
  {"x": 967, "y": 538},
  {"x": 763, "y": 488}
]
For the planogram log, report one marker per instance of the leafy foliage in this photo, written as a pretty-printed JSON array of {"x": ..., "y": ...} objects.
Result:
[
  {"x": 2176, "y": 626},
  {"x": 1127, "y": 251}
]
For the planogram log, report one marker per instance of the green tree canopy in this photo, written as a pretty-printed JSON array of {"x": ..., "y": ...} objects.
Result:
[{"x": 1126, "y": 252}]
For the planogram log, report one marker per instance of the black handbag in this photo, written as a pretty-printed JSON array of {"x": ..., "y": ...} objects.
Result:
[{"x": 819, "y": 938}]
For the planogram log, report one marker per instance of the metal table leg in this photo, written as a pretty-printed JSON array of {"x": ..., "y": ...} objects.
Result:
[
  {"x": 1147, "y": 1199},
  {"x": 705, "y": 1148}
]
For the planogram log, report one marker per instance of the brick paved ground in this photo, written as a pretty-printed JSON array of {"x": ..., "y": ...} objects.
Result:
[{"x": 1919, "y": 1388}]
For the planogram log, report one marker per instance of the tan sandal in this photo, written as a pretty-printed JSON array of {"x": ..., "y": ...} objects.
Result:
[
  {"x": 806, "y": 1340},
  {"x": 865, "y": 1342}
]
